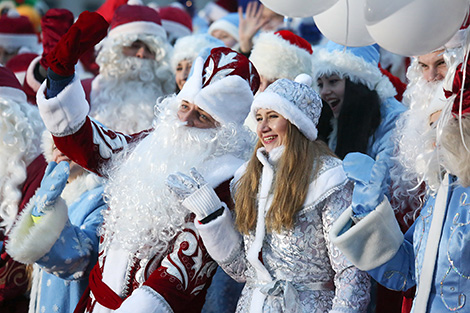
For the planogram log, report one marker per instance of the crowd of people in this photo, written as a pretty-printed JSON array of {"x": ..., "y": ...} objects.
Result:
[{"x": 157, "y": 159}]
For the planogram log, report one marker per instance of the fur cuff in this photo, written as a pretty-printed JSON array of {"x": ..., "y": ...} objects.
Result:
[
  {"x": 372, "y": 241},
  {"x": 220, "y": 236},
  {"x": 28, "y": 242},
  {"x": 65, "y": 114},
  {"x": 145, "y": 299}
]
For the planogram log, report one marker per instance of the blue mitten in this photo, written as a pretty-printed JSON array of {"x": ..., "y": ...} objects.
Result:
[
  {"x": 194, "y": 192},
  {"x": 369, "y": 177},
  {"x": 52, "y": 185}
]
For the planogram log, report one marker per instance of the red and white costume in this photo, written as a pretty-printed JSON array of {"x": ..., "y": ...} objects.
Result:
[{"x": 175, "y": 279}]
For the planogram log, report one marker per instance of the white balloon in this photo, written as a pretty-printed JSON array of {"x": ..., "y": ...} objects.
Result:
[
  {"x": 344, "y": 23},
  {"x": 414, "y": 27},
  {"x": 298, "y": 8}
]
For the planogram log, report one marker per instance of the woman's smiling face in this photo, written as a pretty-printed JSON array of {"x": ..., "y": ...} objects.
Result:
[
  {"x": 271, "y": 128},
  {"x": 332, "y": 91}
]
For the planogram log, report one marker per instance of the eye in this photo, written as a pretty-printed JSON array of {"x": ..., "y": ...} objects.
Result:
[
  {"x": 320, "y": 85},
  {"x": 423, "y": 66},
  {"x": 333, "y": 81},
  {"x": 273, "y": 116},
  {"x": 204, "y": 117},
  {"x": 259, "y": 118}
]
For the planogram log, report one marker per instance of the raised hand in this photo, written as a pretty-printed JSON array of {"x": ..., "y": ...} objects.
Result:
[
  {"x": 250, "y": 24},
  {"x": 52, "y": 185},
  {"x": 369, "y": 177},
  {"x": 89, "y": 29},
  {"x": 194, "y": 193}
]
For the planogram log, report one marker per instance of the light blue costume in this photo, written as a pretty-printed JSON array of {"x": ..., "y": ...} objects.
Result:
[
  {"x": 360, "y": 65},
  {"x": 63, "y": 244},
  {"x": 433, "y": 254}
]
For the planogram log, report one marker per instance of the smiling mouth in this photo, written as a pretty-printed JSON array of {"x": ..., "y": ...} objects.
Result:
[
  {"x": 333, "y": 103},
  {"x": 269, "y": 139}
]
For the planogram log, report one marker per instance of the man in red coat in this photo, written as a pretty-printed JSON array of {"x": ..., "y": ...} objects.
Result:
[
  {"x": 151, "y": 258},
  {"x": 21, "y": 170}
]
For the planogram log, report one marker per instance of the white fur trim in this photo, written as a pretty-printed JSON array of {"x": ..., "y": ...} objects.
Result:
[
  {"x": 264, "y": 202},
  {"x": 64, "y": 114},
  {"x": 175, "y": 28},
  {"x": 145, "y": 299},
  {"x": 188, "y": 48},
  {"x": 139, "y": 27},
  {"x": 28, "y": 242},
  {"x": 220, "y": 237},
  {"x": 226, "y": 26},
  {"x": 326, "y": 181},
  {"x": 12, "y": 93},
  {"x": 221, "y": 169},
  {"x": 273, "y": 101},
  {"x": 227, "y": 100},
  {"x": 373, "y": 241},
  {"x": 275, "y": 57},
  {"x": 30, "y": 79},
  {"x": 346, "y": 64},
  {"x": 47, "y": 145},
  {"x": 432, "y": 245},
  {"x": 19, "y": 40}
]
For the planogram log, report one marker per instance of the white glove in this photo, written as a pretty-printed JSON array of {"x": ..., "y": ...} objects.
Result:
[{"x": 194, "y": 192}]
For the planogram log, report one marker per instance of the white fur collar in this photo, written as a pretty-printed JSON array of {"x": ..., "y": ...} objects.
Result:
[{"x": 79, "y": 185}]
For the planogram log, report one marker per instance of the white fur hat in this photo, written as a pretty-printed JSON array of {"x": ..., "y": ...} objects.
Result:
[
  {"x": 223, "y": 85},
  {"x": 358, "y": 64},
  {"x": 296, "y": 102},
  {"x": 281, "y": 55},
  {"x": 189, "y": 47}
]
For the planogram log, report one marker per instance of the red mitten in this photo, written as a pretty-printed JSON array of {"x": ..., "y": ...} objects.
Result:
[
  {"x": 54, "y": 24},
  {"x": 85, "y": 33},
  {"x": 457, "y": 86}
]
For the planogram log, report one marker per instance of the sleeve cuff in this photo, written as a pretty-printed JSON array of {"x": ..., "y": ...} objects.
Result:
[
  {"x": 220, "y": 237},
  {"x": 373, "y": 241},
  {"x": 66, "y": 113},
  {"x": 28, "y": 242}
]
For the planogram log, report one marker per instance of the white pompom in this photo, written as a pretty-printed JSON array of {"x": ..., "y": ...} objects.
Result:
[
  {"x": 135, "y": 2},
  {"x": 304, "y": 79}
]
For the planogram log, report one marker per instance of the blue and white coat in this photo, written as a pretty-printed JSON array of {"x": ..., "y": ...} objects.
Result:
[
  {"x": 63, "y": 245},
  {"x": 433, "y": 254}
]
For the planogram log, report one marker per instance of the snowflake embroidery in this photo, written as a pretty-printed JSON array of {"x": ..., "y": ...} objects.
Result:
[
  {"x": 209, "y": 70},
  {"x": 226, "y": 59}
]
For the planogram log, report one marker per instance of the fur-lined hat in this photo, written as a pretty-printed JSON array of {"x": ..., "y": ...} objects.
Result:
[
  {"x": 358, "y": 64},
  {"x": 281, "y": 55}
]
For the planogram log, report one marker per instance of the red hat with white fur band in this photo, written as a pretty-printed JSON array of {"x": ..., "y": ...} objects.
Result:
[
  {"x": 136, "y": 19},
  {"x": 223, "y": 85},
  {"x": 281, "y": 55}
]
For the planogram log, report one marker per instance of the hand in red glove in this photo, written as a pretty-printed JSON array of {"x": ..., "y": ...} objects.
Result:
[
  {"x": 89, "y": 29},
  {"x": 54, "y": 24}
]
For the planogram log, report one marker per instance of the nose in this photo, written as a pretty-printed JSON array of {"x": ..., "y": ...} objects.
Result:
[
  {"x": 189, "y": 117},
  {"x": 140, "y": 53},
  {"x": 431, "y": 75},
  {"x": 186, "y": 72},
  {"x": 324, "y": 91}
]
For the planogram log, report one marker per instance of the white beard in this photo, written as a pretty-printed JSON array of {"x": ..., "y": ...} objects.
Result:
[
  {"x": 144, "y": 216},
  {"x": 417, "y": 159},
  {"x": 126, "y": 102},
  {"x": 21, "y": 128}
]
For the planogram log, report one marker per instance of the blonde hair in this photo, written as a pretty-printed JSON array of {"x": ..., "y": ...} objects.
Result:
[{"x": 290, "y": 184}]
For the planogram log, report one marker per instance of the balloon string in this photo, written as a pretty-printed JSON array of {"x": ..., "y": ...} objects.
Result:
[
  {"x": 347, "y": 24},
  {"x": 461, "y": 95}
]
